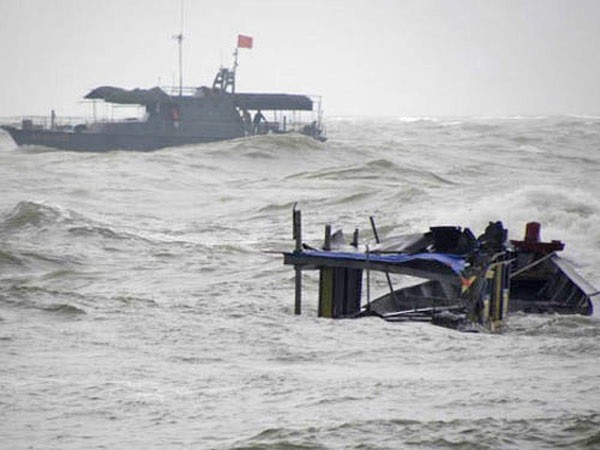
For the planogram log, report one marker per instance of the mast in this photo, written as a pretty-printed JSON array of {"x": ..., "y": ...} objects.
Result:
[
  {"x": 179, "y": 38},
  {"x": 225, "y": 78},
  {"x": 235, "y": 64},
  {"x": 243, "y": 41}
]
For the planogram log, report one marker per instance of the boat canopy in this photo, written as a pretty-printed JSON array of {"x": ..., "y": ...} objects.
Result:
[
  {"x": 282, "y": 102},
  {"x": 112, "y": 94}
]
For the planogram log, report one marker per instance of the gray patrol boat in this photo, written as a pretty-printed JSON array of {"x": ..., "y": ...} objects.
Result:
[{"x": 177, "y": 116}]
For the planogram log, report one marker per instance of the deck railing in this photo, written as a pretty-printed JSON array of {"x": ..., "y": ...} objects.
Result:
[{"x": 63, "y": 122}]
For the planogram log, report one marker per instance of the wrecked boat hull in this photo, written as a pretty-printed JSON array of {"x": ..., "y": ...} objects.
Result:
[
  {"x": 564, "y": 291},
  {"x": 471, "y": 284}
]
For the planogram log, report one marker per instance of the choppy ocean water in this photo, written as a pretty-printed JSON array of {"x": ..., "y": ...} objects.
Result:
[{"x": 142, "y": 304}]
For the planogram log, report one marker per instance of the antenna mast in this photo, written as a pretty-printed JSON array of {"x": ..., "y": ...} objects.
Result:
[{"x": 179, "y": 38}]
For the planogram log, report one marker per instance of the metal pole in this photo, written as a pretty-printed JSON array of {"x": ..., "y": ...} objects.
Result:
[
  {"x": 235, "y": 64},
  {"x": 374, "y": 228},
  {"x": 180, "y": 40},
  {"x": 387, "y": 275}
]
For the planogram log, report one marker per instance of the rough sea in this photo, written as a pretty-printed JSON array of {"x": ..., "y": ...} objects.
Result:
[{"x": 144, "y": 303}]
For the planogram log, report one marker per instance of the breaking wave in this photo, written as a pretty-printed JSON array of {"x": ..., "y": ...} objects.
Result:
[
  {"x": 555, "y": 325},
  {"x": 28, "y": 215},
  {"x": 32, "y": 214},
  {"x": 265, "y": 147},
  {"x": 569, "y": 431}
]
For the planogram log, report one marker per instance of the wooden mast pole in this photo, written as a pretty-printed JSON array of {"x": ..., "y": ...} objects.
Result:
[{"x": 297, "y": 231}]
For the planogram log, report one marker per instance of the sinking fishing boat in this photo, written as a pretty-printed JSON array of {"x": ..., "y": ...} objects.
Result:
[
  {"x": 466, "y": 283},
  {"x": 177, "y": 116}
]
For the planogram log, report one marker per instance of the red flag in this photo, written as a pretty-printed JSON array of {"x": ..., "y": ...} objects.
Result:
[{"x": 244, "y": 41}]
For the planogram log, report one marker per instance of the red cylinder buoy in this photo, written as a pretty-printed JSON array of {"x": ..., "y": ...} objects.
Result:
[{"x": 532, "y": 232}]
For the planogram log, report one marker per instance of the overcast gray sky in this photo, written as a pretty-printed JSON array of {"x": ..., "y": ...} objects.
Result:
[{"x": 365, "y": 57}]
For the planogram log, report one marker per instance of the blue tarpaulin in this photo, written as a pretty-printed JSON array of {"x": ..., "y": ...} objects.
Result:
[{"x": 455, "y": 262}]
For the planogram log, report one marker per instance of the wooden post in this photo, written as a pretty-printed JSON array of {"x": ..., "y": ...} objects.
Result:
[
  {"x": 327, "y": 240},
  {"x": 297, "y": 231},
  {"x": 298, "y": 297},
  {"x": 298, "y": 268},
  {"x": 355, "y": 238},
  {"x": 368, "y": 280},
  {"x": 326, "y": 282}
]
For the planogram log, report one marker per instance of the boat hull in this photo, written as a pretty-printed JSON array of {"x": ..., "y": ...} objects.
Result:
[
  {"x": 559, "y": 290},
  {"x": 100, "y": 142},
  {"x": 552, "y": 287}
]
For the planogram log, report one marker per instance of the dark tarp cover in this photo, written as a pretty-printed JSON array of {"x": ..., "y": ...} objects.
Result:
[
  {"x": 283, "y": 102},
  {"x": 134, "y": 97}
]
